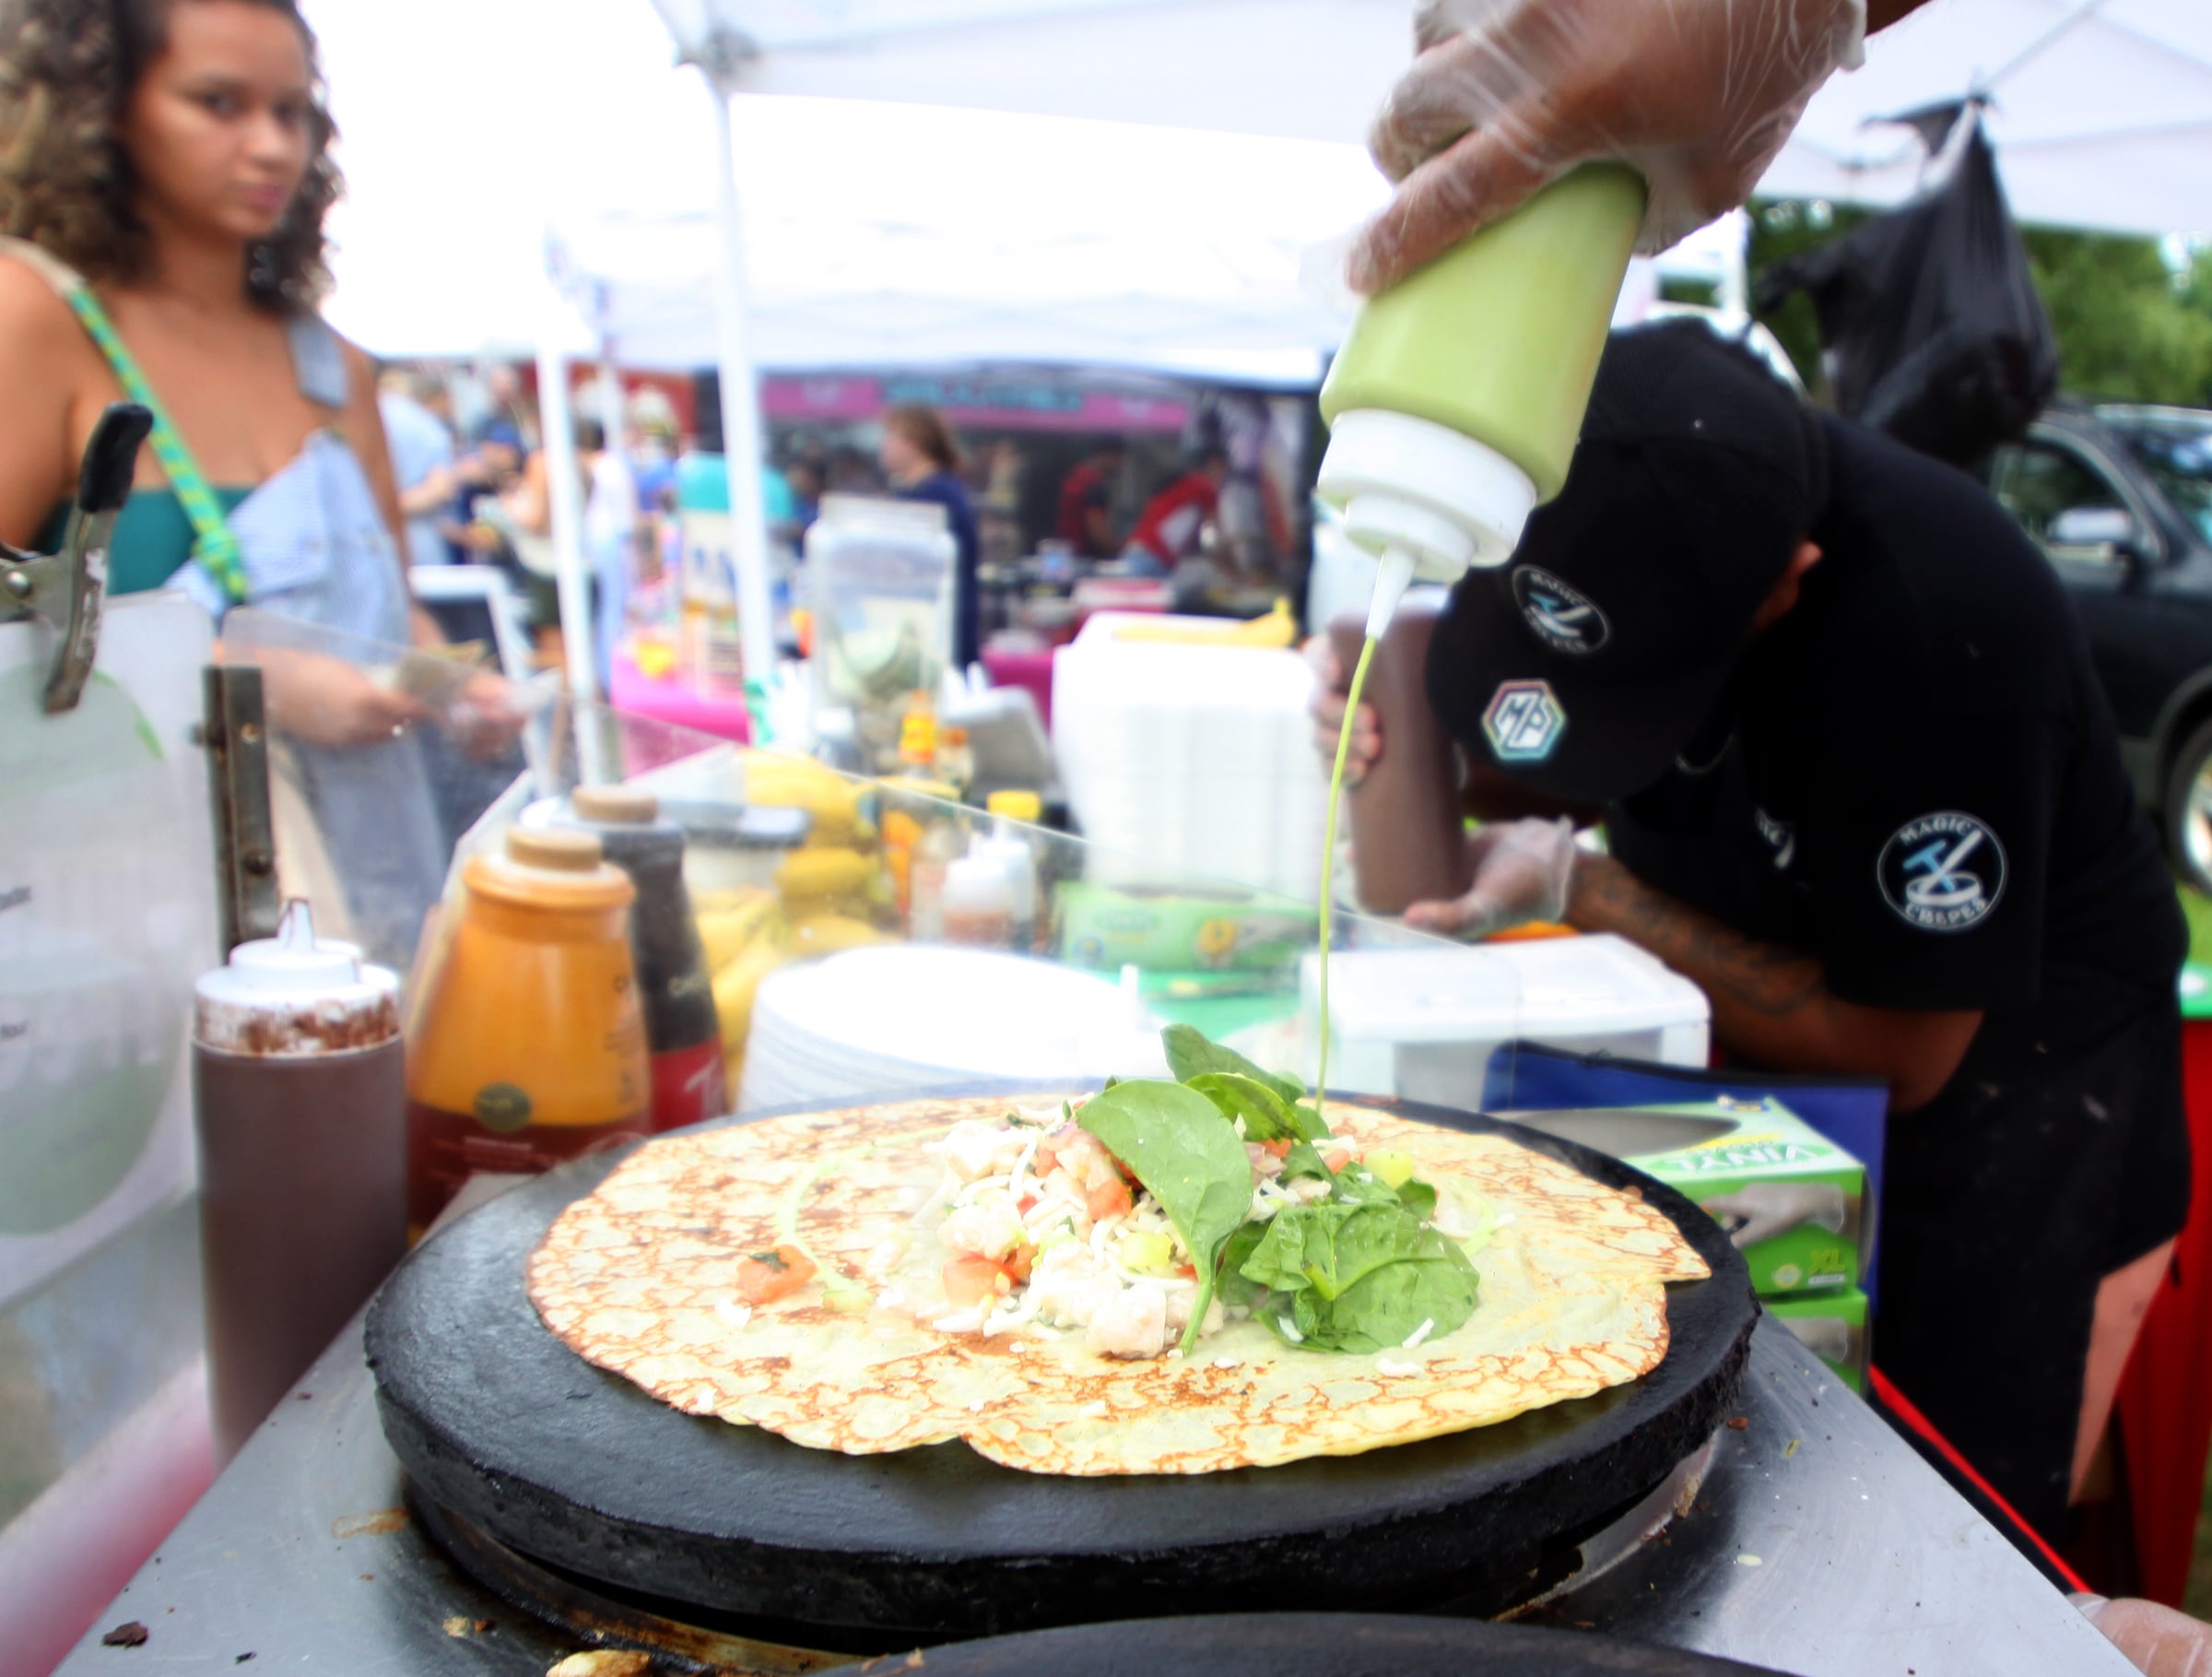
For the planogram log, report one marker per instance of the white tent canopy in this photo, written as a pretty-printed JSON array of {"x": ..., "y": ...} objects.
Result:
[{"x": 571, "y": 114}]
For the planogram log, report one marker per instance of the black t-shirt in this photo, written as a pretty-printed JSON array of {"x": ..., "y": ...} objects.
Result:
[{"x": 1915, "y": 777}]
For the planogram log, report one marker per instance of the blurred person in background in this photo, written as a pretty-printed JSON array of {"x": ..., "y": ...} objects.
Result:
[
  {"x": 164, "y": 175},
  {"x": 1168, "y": 531},
  {"x": 422, "y": 457},
  {"x": 809, "y": 479},
  {"x": 1084, "y": 520},
  {"x": 924, "y": 464}
]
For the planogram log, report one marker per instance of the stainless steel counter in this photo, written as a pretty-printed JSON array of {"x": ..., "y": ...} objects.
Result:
[{"x": 1819, "y": 1544}]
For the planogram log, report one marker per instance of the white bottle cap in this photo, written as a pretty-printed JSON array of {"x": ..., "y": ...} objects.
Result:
[
  {"x": 1443, "y": 497},
  {"x": 297, "y": 994}
]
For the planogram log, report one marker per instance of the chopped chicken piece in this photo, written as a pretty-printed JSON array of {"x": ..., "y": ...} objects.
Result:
[
  {"x": 1132, "y": 1324},
  {"x": 989, "y": 1228}
]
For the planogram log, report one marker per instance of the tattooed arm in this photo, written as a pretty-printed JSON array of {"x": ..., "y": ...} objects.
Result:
[{"x": 1771, "y": 1005}]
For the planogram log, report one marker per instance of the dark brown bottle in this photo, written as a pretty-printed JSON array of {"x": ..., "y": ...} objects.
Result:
[
  {"x": 300, "y": 1095},
  {"x": 1409, "y": 831},
  {"x": 683, "y": 1036}
]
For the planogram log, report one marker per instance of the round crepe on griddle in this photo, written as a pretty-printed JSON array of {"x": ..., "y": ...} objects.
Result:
[{"x": 639, "y": 1278}]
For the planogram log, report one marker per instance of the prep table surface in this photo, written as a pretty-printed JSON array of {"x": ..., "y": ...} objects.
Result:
[{"x": 1841, "y": 1556}]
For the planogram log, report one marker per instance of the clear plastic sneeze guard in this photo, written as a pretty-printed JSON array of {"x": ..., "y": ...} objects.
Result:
[{"x": 861, "y": 937}]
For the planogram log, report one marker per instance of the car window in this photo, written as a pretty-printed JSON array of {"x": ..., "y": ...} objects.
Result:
[
  {"x": 2038, "y": 481},
  {"x": 2179, "y": 458}
]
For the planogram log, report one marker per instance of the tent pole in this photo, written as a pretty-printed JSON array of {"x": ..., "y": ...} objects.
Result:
[
  {"x": 564, "y": 495},
  {"x": 740, "y": 400}
]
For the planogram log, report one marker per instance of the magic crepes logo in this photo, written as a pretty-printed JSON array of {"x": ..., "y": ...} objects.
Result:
[
  {"x": 1942, "y": 872},
  {"x": 1564, "y": 617}
]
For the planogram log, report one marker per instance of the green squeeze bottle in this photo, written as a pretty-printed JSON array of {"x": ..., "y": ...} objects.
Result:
[{"x": 1455, "y": 405}]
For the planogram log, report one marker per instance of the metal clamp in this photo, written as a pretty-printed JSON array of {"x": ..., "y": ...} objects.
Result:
[{"x": 69, "y": 588}]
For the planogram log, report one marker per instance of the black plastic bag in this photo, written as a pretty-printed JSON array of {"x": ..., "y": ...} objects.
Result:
[{"x": 1928, "y": 314}]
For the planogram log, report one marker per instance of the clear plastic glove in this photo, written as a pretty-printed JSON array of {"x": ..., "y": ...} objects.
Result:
[
  {"x": 1767, "y": 1208},
  {"x": 2157, "y": 1641},
  {"x": 1332, "y": 687},
  {"x": 1522, "y": 872},
  {"x": 1507, "y": 95}
]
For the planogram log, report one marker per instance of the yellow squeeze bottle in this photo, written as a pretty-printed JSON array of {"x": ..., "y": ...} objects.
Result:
[{"x": 1454, "y": 406}]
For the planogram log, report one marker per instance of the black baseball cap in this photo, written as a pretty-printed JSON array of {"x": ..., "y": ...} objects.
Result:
[{"x": 1585, "y": 663}]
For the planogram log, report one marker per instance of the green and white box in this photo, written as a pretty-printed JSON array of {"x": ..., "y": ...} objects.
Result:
[
  {"x": 1833, "y": 1326},
  {"x": 1793, "y": 1202}
]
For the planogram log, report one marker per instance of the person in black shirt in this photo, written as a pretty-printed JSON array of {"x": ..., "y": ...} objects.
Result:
[{"x": 1860, "y": 784}]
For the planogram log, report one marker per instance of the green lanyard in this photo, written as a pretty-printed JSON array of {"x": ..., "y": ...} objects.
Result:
[{"x": 213, "y": 547}]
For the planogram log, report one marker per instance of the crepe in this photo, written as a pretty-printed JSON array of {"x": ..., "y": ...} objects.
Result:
[{"x": 638, "y": 1278}]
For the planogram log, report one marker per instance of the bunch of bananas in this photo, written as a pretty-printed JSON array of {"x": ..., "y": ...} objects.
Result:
[{"x": 826, "y": 898}]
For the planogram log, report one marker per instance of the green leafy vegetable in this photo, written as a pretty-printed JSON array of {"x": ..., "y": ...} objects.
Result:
[
  {"x": 1358, "y": 1270},
  {"x": 1267, "y": 1117},
  {"x": 1356, "y": 1185},
  {"x": 1175, "y": 1141},
  {"x": 1191, "y": 1056},
  {"x": 1358, "y": 1277}
]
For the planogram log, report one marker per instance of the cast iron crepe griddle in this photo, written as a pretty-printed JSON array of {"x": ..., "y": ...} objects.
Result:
[
  {"x": 495, "y": 1419},
  {"x": 1308, "y": 1645}
]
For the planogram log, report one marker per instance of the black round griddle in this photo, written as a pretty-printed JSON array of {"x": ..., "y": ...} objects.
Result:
[
  {"x": 1308, "y": 1645},
  {"x": 499, "y": 1424}
]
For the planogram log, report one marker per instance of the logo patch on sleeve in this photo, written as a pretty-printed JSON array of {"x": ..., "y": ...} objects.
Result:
[
  {"x": 1565, "y": 618},
  {"x": 1524, "y": 722},
  {"x": 1942, "y": 872}
]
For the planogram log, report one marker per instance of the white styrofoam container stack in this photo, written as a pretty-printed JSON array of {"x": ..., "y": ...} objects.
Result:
[
  {"x": 1422, "y": 1024},
  {"x": 1189, "y": 758}
]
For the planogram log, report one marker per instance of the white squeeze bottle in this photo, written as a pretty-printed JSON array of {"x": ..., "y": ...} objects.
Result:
[
  {"x": 1455, "y": 405},
  {"x": 1006, "y": 846}
]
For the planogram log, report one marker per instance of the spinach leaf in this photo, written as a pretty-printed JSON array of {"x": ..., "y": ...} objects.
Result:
[
  {"x": 1236, "y": 1287},
  {"x": 1302, "y": 1160},
  {"x": 1357, "y": 1276},
  {"x": 1356, "y": 1185},
  {"x": 1176, "y": 1142},
  {"x": 1190, "y": 1055},
  {"x": 1267, "y": 1117}
]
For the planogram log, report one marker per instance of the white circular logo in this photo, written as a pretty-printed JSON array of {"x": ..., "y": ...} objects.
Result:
[
  {"x": 1564, "y": 617},
  {"x": 1942, "y": 872}
]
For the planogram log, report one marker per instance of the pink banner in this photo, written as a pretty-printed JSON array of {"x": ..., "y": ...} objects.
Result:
[{"x": 989, "y": 404}]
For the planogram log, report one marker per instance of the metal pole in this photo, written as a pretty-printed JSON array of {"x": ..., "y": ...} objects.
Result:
[
  {"x": 564, "y": 495},
  {"x": 740, "y": 395}
]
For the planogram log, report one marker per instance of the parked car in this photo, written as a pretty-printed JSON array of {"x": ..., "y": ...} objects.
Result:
[{"x": 2119, "y": 501}]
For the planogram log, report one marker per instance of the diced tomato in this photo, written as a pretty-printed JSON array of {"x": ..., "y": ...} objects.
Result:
[
  {"x": 1047, "y": 1150},
  {"x": 1108, "y": 1198},
  {"x": 1275, "y": 1150},
  {"x": 1188, "y": 1271},
  {"x": 969, "y": 1279},
  {"x": 1027, "y": 1204},
  {"x": 765, "y": 1277},
  {"x": 1017, "y": 1264},
  {"x": 1337, "y": 1158}
]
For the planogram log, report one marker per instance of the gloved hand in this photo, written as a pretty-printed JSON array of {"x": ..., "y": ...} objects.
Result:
[
  {"x": 1332, "y": 684},
  {"x": 1522, "y": 872},
  {"x": 1769, "y": 1208},
  {"x": 2157, "y": 1640},
  {"x": 1507, "y": 95}
]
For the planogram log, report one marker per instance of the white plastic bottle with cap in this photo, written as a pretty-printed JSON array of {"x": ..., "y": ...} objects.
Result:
[
  {"x": 979, "y": 902},
  {"x": 1009, "y": 848},
  {"x": 300, "y": 1095}
]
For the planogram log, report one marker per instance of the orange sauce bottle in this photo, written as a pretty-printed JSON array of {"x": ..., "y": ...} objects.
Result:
[{"x": 529, "y": 1046}]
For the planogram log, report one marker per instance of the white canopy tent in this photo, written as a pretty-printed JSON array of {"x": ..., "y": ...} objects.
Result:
[{"x": 882, "y": 232}]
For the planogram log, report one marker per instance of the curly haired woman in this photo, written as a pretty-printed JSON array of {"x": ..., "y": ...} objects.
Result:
[{"x": 164, "y": 175}]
